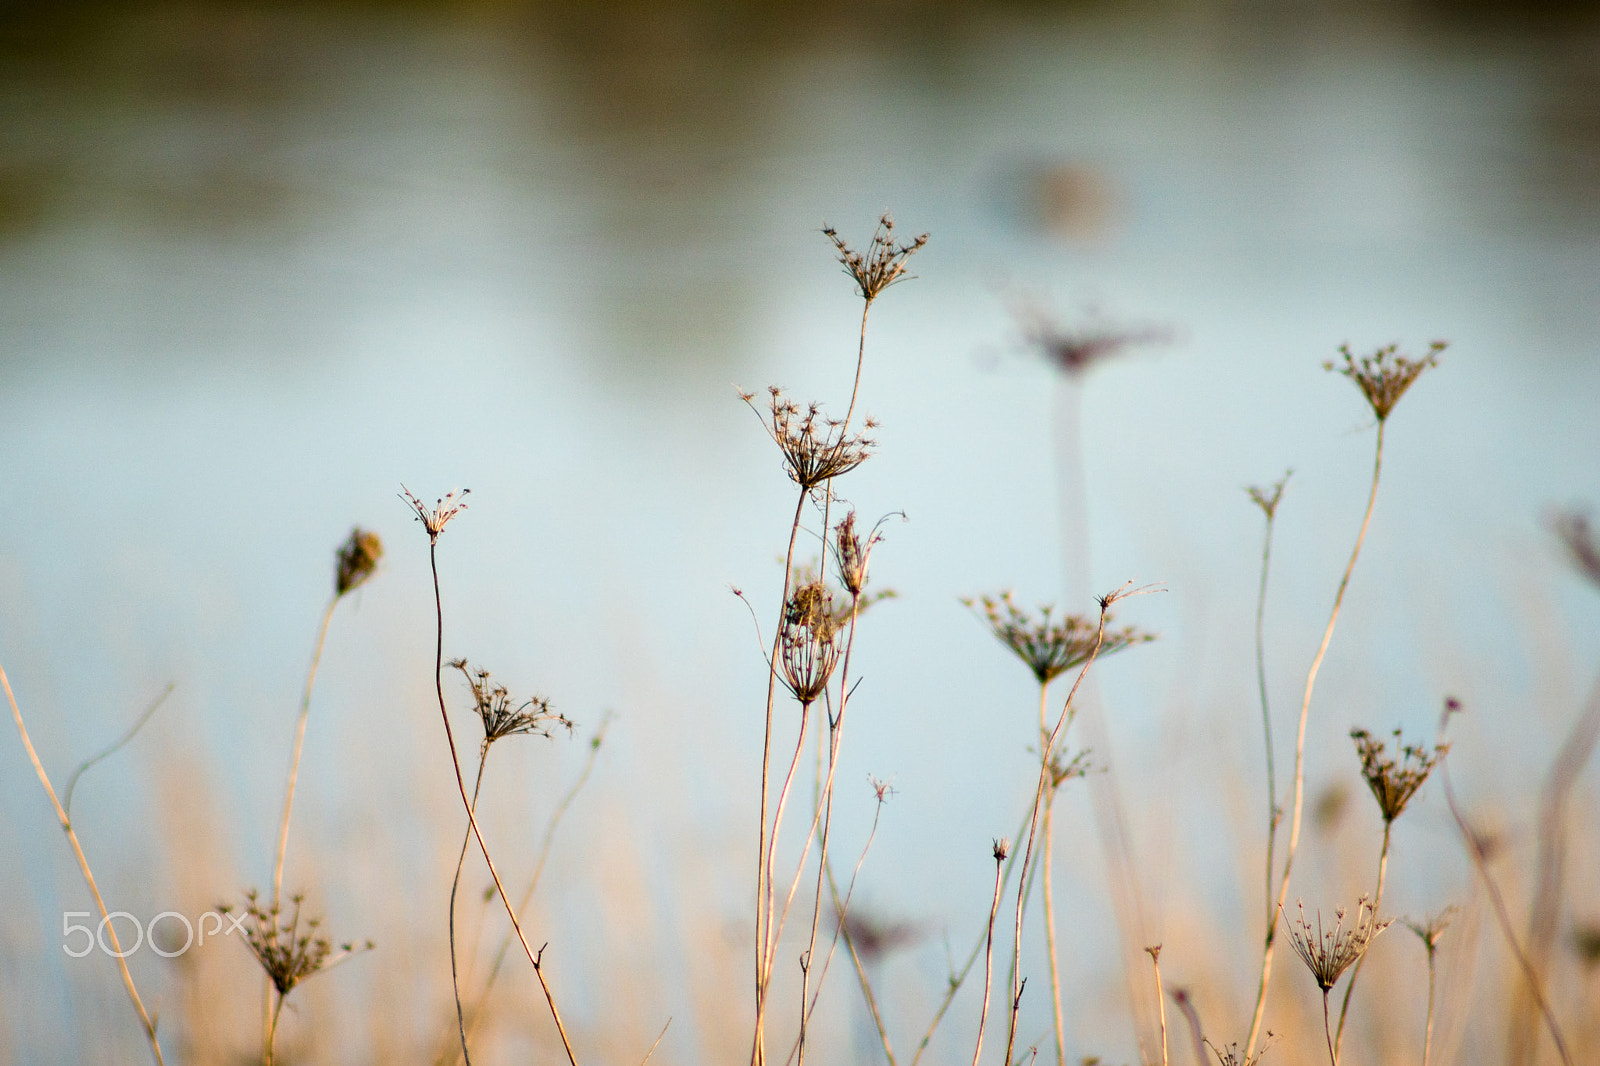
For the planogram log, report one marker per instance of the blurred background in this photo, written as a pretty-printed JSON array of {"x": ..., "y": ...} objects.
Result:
[{"x": 261, "y": 264}]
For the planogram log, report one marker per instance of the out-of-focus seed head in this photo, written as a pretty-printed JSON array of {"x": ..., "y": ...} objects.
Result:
[
  {"x": 357, "y": 560},
  {"x": 1384, "y": 376}
]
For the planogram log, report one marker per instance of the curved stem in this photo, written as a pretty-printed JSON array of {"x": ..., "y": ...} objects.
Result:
[
  {"x": 1300, "y": 753},
  {"x": 1333, "y": 1055},
  {"x": 272, "y": 1026},
  {"x": 88, "y": 875},
  {"x": 455, "y": 883},
  {"x": 988, "y": 965},
  {"x": 461, "y": 786},
  {"x": 1377, "y": 898},
  {"x": 299, "y": 744}
]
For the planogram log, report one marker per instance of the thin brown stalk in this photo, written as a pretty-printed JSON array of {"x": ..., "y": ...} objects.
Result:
[
  {"x": 536, "y": 958},
  {"x": 1300, "y": 753},
  {"x": 1161, "y": 1000},
  {"x": 988, "y": 954},
  {"x": 958, "y": 979},
  {"x": 1333, "y": 1053},
  {"x": 455, "y": 885},
  {"x": 1427, "y": 1036},
  {"x": 1049, "y": 895},
  {"x": 88, "y": 874},
  {"x": 835, "y": 736},
  {"x": 774, "y": 929},
  {"x": 1033, "y": 824},
  {"x": 1477, "y": 852},
  {"x": 299, "y": 744},
  {"x": 841, "y": 910},
  {"x": 652, "y": 1051},
  {"x": 1274, "y": 813},
  {"x": 758, "y": 1050},
  {"x": 1377, "y": 899},
  {"x": 556, "y": 817}
]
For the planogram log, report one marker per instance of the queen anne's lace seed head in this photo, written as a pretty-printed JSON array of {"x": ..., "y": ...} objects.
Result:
[{"x": 1384, "y": 376}]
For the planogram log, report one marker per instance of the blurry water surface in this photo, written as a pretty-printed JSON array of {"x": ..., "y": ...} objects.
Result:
[{"x": 259, "y": 267}]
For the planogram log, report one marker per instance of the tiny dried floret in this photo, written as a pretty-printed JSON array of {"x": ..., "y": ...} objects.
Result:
[
  {"x": 1575, "y": 532},
  {"x": 1431, "y": 929},
  {"x": 1384, "y": 376},
  {"x": 1050, "y": 646},
  {"x": 884, "y": 262},
  {"x": 1064, "y": 768},
  {"x": 357, "y": 560},
  {"x": 851, "y": 552},
  {"x": 287, "y": 952},
  {"x": 452, "y": 504},
  {"x": 1394, "y": 780},
  {"x": 1269, "y": 496},
  {"x": 1234, "y": 1055},
  {"x": 501, "y": 715},
  {"x": 1328, "y": 953},
  {"x": 808, "y": 647},
  {"x": 815, "y": 449},
  {"x": 1002, "y": 847}
]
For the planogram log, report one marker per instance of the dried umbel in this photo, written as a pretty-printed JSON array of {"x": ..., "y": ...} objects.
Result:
[
  {"x": 1075, "y": 351},
  {"x": 1431, "y": 929},
  {"x": 884, "y": 262},
  {"x": 1394, "y": 779},
  {"x": 452, "y": 504},
  {"x": 1048, "y": 646},
  {"x": 1064, "y": 767},
  {"x": 1268, "y": 497},
  {"x": 1328, "y": 953},
  {"x": 1234, "y": 1055},
  {"x": 501, "y": 715},
  {"x": 1384, "y": 376},
  {"x": 357, "y": 560},
  {"x": 815, "y": 449},
  {"x": 1575, "y": 532},
  {"x": 288, "y": 953},
  {"x": 808, "y": 646}
]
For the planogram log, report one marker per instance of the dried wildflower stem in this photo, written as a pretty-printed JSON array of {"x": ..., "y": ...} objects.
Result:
[
  {"x": 758, "y": 1051},
  {"x": 455, "y": 885},
  {"x": 1477, "y": 853},
  {"x": 1033, "y": 826},
  {"x": 1377, "y": 900},
  {"x": 988, "y": 954},
  {"x": 1154, "y": 952},
  {"x": 1427, "y": 1035},
  {"x": 956, "y": 980},
  {"x": 1049, "y": 895},
  {"x": 841, "y": 910},
  {"x": 1545, "y": 910},
  {"x": 825, "y": 812},
  {"x": 299, "y": 744},
  {"x": 1300, "y": 752},
  {"x": 88, "y": 874},
  {"x": 461, "y": 785},
  {"x": 114, "y": 747},
  {"x": 1274, "y": 812},
  {"x": 556, "y": 817}
]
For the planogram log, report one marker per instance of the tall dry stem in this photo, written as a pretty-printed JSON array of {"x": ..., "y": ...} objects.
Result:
[{"x": 145, "y": 1020}]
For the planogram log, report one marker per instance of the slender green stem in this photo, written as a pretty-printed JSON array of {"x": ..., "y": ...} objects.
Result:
[
  {"x": 88, "y": 875},
  {"x": 1273, "y": 811},
  {"x": 272, "y": 1026},
  {"x": 1377, "y": 898},
  {"x": 455, "y": 884},
  {"x": 1300, "y": 754}
]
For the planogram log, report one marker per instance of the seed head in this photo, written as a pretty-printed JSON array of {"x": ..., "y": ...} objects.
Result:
[
  {"x": 1267, "y": 498},
  {"x": 884, "y": 262},
  {"x": 1328, "y": 954},
  {"x": 1574, "y": 530},
  {"x": 445, "y": 509},
  {"x": 500, "y": 716},
  {"x": 815, "y": 449},
  {"x": 1394, "y": 781},
  {"x": 1002, "y": 847},
  {"x": 1383, "y": 377},
  {"x": 1047, "y": 646},
  {"x": 1431, "y": 929},
  {"x": 808, "y": 648},
  {"x": 1075, "y": 351},
  {"x": 1233, "y": 1055},
  {"x": 357, "y": 560},
  {"x": 288, "y": 954}
]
